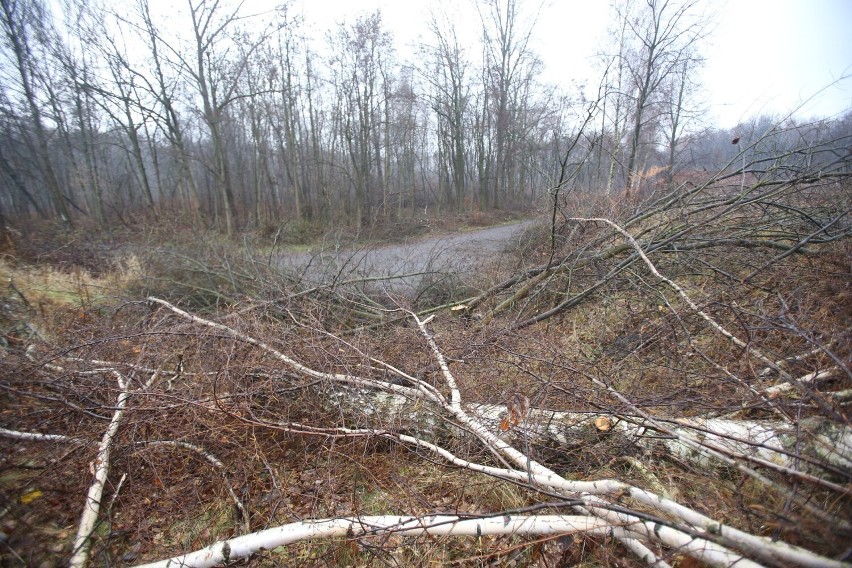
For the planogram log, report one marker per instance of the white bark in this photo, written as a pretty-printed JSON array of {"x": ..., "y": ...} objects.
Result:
[
  {"x": 38, "y": 437},
  {"x": 771, "y": 443},
  {"x": 782, "y": 388},
  {"x": 350, "y": 527},
  {"x": 792, "y": 359},
  {"x": 101, "y": 466},
  {"x": 761, "y": 547},
  {"x": 217, "y": 463},
  {"x": 698, "y": 548},
  {"x": 686, "y": 530},
  {"x": 793, "y": 381}
]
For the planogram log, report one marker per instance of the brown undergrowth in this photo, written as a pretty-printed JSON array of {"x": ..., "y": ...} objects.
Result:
[{"x": 228, "y": 399}]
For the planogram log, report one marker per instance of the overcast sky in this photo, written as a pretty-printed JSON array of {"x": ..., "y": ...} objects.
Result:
[{"x": 764, "y": 56}]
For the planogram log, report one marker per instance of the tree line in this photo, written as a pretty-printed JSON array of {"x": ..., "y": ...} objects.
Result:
[{"x": 241, "y": 119}]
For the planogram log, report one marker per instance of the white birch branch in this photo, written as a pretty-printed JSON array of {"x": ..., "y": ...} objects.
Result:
[
  {"x": 688, "y": 526},
  {"x": 38, "y": 437},
  {"x": 793, "y": 358},
  {"x": 767, "y": 441},
  {"x": 502, "y": 448},
  {"x": 783, "y": 388},
  {"x": 713, "y": 323},
  {"x": 455, "y": 395},
  {"x": 762, "y": 547},
  {"x": 491, "y": 441},
  {"x": 101, "y": 470},
  {"x": 351, "y": 527},
  {"x": 706, "y": 443},
  {"x": 416, "y": 391}
]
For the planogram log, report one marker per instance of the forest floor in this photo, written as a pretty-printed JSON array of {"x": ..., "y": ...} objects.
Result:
[{"x": 74, "y": 307}]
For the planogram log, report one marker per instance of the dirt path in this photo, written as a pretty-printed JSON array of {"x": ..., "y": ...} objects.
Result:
[{"x": 457, "y": 253}]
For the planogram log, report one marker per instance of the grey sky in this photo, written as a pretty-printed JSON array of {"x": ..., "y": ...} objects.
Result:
[{"x": 764, "y": 56}]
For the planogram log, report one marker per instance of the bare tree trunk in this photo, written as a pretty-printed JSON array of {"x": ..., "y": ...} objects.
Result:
[
  {"x": 17, "y": 21},
  {"x": 665, "y": 33},
  {"x": 172, "y": 125}
]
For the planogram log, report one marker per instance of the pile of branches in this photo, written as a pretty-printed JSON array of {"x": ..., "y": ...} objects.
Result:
[
  {"x": 775, "y": 205},
  {"x": 672, "y": 380}
]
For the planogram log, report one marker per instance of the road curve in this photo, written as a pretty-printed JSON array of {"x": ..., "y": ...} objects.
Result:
[{"x": 458, "y": 253}]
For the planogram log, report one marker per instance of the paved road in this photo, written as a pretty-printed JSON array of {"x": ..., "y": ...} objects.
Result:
[{"x": 458, "y": 253}]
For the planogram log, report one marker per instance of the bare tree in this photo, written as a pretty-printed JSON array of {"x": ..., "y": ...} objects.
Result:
[
  {"x": 170, "y": 121},
  {"x": 23, "y": 22},
  {"x": 446, "y": 70},
  {"x": 209, "y": 67},
  {"x": 215, "y": 62},
  {"x": 681, "y": 111},
  {"x": 509, "y": 69},
  {"x": 661, "y": 37},
  {"x": 360, "y": 67}
]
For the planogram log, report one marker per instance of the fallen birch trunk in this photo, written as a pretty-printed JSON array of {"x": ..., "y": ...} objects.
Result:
[
  {"x": 767, "y": 440},
  {"x": 227, "y": 551},
  {"x": 697, "y": 535},
  {"x": 819, "y": 441}
]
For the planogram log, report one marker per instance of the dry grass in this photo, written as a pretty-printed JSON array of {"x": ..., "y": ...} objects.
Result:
[{"x": 44, "y": 285}]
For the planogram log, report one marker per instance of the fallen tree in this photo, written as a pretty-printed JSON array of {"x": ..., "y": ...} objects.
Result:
[
  {"x": 685, "y": 530},
  {"x": 674, "y": 383},
  {"x": 242, "y": 547},
  {"x": 812, "y": 446},
  {"x": 641, "y": 520}
]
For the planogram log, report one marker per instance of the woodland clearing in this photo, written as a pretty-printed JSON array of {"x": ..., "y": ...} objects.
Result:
[{"x": 649, "y": 388}]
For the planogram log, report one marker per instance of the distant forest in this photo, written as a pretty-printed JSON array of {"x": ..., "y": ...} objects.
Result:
[{"x": 112, "y": 110}]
